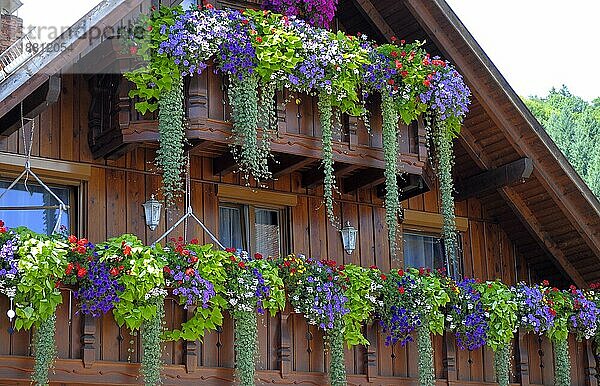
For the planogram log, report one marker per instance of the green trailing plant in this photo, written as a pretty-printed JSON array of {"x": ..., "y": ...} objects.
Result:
[
  {"x": 425, "y": 361},
  {"x": 170, "y": 157},
  {"x": 267, "y": 121},
  {"x": 562, "y": 363},
  {"x": 243, "y": 97},
  {"x": 559, "y": 335},
  {"x": 393, "y": 207},
  {"x": 445, "y": 159},
  {"x": 363, "y": 286},
  {"x": 337, "y": 368},
  {"x": 151, "y": 332},
  {"x": 502, "y": 365},
  {"x": 42, "y": 262},
  {"x": 326, "y": 116},
  {"x": 44, "y": 346},
  {"x": 246, "y": 346}
]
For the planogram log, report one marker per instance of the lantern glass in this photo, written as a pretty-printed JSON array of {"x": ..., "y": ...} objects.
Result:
[
  {"x": 152, "y": 211},
  {"x": 349, "y": 237}
]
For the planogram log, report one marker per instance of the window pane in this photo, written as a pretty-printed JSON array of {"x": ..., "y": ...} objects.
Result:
[
  {"x": 42, "y": 220},
  {"x": 230, "y": 227},
  {"x": 423, "y": 251},
  {"x": 267, "y": 232}
]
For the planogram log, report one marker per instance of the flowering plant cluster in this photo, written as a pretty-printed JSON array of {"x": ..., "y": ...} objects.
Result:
[
  {"x": 9, "y": 271},
  {"x": 412, "y": 298},
  {"x": 316, "y": 289},
  {"x": 535, "y": 308},
  {"x": 466, "y": 316}
]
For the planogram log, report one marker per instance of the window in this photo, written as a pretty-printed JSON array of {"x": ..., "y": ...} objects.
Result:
[
  {"x": 251, "y": 228},
  {"x": 38, "y": 220},
  {"x": 422, "y": 250}
]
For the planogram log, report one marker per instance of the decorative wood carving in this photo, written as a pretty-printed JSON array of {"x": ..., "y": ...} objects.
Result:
[
  {"x": 284, "y": 351},
  {"x": 191, "y": 353},
  {"x": 88, "y": 341}
]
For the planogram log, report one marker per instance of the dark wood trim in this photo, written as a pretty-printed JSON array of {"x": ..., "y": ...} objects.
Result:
[
  {"x": 490, "y": 180},
  {"x": 285, "y": 143},
  {"x": 72, "y": 372}
]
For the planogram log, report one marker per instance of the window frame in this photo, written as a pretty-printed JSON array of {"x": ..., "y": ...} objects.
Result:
[
  {"x": 438, "y": 235},
  {"x": 248, "y": 223},
  {"x": 75, "y": 199}
]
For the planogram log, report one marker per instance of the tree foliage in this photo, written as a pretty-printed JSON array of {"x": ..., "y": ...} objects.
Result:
[{"x": 574, "y": 124}]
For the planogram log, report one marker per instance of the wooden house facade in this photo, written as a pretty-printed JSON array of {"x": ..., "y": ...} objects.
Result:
[{"x": 522, "y": 211}]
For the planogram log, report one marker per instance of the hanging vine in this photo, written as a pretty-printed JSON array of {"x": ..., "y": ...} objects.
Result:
[
  {"x": 425, "y": 349},
  {"x": 267, "y": 120},
  {"x": 337, "y": 369},
  {"x": 246, "y": 346},
  {"x": 170, "y": 157},
  {"x": 562, "y": 363},
  {"x": 251, "y": 158},
  {"x": 393, "y": 207},
  {"x": 151, "y": 332},
  {"x": 502, "y": 365},
  {"x": 445, "y": 160},
  {"x": 44, "y": 346},
  {"x": 326, "y": 116}
]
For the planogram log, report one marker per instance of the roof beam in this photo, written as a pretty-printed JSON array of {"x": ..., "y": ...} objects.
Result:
[
  {"x": 364, "y": 179},
  {"x": 290, "y": 165},
  {"x": 224, "y": 164},
  {"x": 373, "y": 16},
  {"x": 316, "y": 176},
  {"x": 493, "y": 179}
]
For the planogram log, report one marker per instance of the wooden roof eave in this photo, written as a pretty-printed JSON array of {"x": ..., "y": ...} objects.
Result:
[
  {"x": 450, "y": 35},
  {"x": 37, "y": 70}
]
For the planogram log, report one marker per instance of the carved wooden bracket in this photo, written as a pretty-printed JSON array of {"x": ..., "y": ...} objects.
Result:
[
  {"x": 88, "y": 341},
  {"x": 284, "y": 351},
  {"x": 371, "y": 362},
  {"x": 523, "y": 359},
  {"x": 449, "y": 361},
  {"x": 191, "y": 347}
]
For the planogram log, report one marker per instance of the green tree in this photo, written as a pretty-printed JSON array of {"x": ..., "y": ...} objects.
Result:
[{"x": 574, "y": 125}]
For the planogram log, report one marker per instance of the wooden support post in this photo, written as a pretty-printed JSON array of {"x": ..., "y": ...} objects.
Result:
[
  {"x": 88, "y": 341},
  {"x": 191, "y": 347},
  {"x": 449, "y": 361},
  {"x": 523, "y": 359},
  {"x": 284, "y": 351},
  {"x": 197, "y": 101},
  {"x": 591, "y": 373},
  {"x": 371, "y": 363}
]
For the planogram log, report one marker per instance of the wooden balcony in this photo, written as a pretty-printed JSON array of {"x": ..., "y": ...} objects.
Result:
[{"x": 116, "y": 127}]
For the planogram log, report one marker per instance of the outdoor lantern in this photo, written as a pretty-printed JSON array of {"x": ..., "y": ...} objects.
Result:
[
  {"x": 349, "y": 237},
  {"x": 152, "y": 212}
]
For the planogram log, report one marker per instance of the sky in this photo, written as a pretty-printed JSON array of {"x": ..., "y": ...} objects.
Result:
[{"x": 536, "y": 44}]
